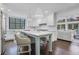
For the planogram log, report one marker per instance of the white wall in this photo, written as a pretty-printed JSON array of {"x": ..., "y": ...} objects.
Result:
[
  {"x": 9, "y": 13},
  {"x": 5, "y": 23},
  {"x": 13, "y": 14},
  {"x": 73, "y": 12}
]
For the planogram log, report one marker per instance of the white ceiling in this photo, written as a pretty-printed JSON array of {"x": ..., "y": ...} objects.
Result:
[{"x": 30, "y": 8}]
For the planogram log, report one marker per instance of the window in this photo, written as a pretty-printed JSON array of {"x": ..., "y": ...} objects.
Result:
[
  {"x": 75, "y": 26},
  {"x": 70, "y": 26},
  {"x": 58, "y": 26},
  {"x": 16, "y": 23},
  {"x": 63, "y": 26}
]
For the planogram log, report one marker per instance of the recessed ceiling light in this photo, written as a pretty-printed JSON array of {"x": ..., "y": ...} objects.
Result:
[
  {"x": 2, "y": 8},
  {"x": 46, "y": 11},
  {"x": 9, "y": 10}
]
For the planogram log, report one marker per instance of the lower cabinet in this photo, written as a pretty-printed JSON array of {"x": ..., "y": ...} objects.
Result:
[{"x": 66, "y": 35}]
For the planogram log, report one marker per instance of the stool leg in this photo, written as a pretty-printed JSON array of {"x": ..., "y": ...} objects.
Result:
[
  {"x": 29, "y": 49},
  {"x": 18, "y": 49}
]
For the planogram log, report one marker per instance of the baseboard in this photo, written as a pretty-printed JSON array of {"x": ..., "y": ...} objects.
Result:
[{"x": 63, "y": 40}]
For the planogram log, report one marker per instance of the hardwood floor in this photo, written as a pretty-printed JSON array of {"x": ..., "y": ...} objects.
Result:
[{"x": 60, "y": 47}]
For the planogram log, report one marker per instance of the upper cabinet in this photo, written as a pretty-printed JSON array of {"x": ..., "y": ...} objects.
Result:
[{"x": 50, "y": 19}]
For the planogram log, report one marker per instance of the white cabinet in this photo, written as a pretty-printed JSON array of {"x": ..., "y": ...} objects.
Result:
[
  {"x": 53, "y": 29},
  {"x": 54, "y": 36},
  {"x": 66, "y": 35},
  {"x": 50, "y": 19}
]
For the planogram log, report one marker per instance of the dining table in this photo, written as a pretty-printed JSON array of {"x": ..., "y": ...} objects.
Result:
[{"x": 37, "y": 35}]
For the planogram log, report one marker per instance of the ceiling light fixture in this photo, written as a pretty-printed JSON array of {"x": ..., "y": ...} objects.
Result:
[
  {"x": 9, "y": 10},
  {"x": 2, "y": 8}
]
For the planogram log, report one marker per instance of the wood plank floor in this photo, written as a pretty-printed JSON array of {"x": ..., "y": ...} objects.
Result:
[{"x": 60, "y": 47}]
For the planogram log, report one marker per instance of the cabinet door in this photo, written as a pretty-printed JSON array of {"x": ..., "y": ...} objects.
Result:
[{"x": 50, "y": 19}]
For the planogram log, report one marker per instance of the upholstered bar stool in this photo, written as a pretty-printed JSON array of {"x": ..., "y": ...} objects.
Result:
[{"x": 22, "y": 41}]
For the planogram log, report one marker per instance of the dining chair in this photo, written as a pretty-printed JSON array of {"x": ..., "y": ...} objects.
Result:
[{"x": 23, "y": 41}]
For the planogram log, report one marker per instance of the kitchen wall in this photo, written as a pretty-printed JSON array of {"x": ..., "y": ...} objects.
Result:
[
  {"x": 13, "y": 14},
  {"x": 72, "y": 12},
  {"x": 6, "y": 15}
]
